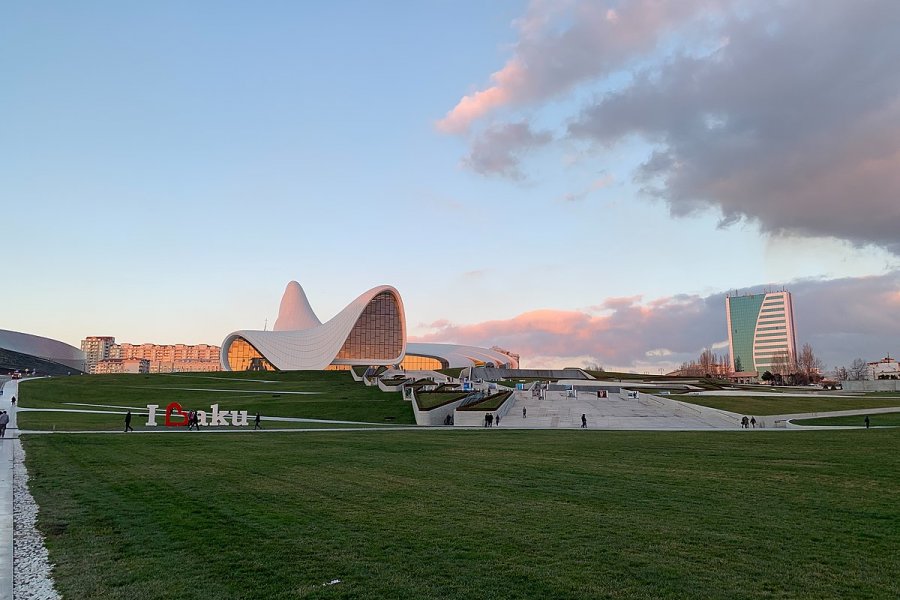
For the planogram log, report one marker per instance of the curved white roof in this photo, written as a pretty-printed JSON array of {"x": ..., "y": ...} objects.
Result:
[
  {"x": 43, "y": 347},
  {"x": 458, "y": 355},
  {"x": 309, "y": 344}
]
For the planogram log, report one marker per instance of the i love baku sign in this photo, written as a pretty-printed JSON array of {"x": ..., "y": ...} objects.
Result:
[{"x": 178, "y": 417}]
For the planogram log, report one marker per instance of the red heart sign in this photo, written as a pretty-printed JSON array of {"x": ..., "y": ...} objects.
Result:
[{"x": 171, "y": 408}]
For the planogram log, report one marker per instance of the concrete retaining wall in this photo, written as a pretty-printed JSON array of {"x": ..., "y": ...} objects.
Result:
[
  {"x": 475, "y": 418},
  {"x": 877, "y": 385}
]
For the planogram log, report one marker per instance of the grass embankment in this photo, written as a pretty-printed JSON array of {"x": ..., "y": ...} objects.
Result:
[
  {"x": 492, "y": 402},
  {"x": 877, "y": 419},
  {"x": 429, "y": 400},
  {"x": 334, "y": 395},
  {"x": 767, "y": 405},
  {"x": 412, "y": 515}
]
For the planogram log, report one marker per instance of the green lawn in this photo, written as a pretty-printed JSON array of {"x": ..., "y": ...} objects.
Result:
[
  {"x": 877, "y": 419},
  {"x": 471, "y": 514},
  {"x": 767, "y": 405},
  {"x": 429, "y": 400},
  {"x": 336, "y": 395},
  {"x": 492, "y": 402},
  {"x": 60, "y": 421}
]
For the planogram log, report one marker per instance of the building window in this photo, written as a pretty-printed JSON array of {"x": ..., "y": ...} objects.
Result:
[
  {"x": 242, "y": 356},
  {"x": 377, "y": 334}
]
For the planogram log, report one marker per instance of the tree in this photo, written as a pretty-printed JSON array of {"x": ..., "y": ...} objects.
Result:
[
  {"x": 767, "y": 377},
  {"x": 858, "y": 369},
  {"x": 782, "y": 364},
  {"x": 737, "y": 365},
  {"x": 809, "y": 364},
  {"x": 841, "y": 373},
  {"x": 593, "y": 366}
]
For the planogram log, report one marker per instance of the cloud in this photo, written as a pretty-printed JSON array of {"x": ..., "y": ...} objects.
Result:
[
  {"x": 785, "y": 114},
  {"x": 794, "y": 123},
  {"x": 498, "y": 150},
  {"x": 840, "y": 318},
  {"x": 563, "y": 43},
  {"x": 597, "y": 184}
]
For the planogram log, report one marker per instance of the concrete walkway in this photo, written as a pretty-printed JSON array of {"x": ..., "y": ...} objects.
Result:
[
  {"x": 7, "y": 447},
  {"x": 557, "y": 410}
]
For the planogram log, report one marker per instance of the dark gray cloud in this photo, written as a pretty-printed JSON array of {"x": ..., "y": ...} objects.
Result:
[
  {"x": 498, "y": 149},
  {"x": 794, "y": 122}
]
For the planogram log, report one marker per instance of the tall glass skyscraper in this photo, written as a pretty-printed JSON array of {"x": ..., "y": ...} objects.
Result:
[{"x": 760, "y": 331}]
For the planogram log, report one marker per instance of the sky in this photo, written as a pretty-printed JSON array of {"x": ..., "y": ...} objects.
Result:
[{"x": 579, "y": 182}]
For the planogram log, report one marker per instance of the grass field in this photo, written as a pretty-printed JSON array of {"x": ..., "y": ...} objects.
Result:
[
  {"x": 767, "y": 405},
  {"x": 334, "y": 395},
  {"x": 471, "y": 514},
  {"x": 62, "y": 421},
  {"x": 878, "y": 419}
]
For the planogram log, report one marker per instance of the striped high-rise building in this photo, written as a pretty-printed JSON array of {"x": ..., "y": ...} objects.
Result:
[{"x": 761, "y": 331}]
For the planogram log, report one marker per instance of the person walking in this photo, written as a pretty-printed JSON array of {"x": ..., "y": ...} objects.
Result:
[
  {"x": 524, "y": 412},
  {"x": 256, "y": 421},
  {"x": 4, "y": 421},
  {"x": 583, "y": 421},
  {"x": 497, "y": 420},
  {"x": 490, "y": 419},
  {"x": 753, "y": 422},
  {"x": 867, "y": 421},
  {"x": 128, "y": 426}
]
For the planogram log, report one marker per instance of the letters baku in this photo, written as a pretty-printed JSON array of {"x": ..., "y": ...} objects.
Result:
[{"x": 177, "y": 417}]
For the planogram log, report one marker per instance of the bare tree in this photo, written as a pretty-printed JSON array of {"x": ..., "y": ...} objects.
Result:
[
  {"x": 782, "y": 364},
  {"x": 808, "y": 363},
  {"x": 707, "y": 361},
  {"x": 593, "y": 366},
  {"x": 858, "y": 369},
  {"x": 841, "y": 373}
]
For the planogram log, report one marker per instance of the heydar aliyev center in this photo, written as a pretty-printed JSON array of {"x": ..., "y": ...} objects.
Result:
[{"x": 370, "y": 331}]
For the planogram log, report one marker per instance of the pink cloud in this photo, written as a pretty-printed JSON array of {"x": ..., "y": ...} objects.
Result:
[
  {"x": 841, "y": 318},
  {"x": 564, "y": 43}
]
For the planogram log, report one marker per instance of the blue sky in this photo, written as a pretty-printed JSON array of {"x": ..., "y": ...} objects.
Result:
[{"x": 168, "y": 167}]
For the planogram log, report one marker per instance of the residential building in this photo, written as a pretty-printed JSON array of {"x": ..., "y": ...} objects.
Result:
[
  {"x": 121, "y": 365},
  {"x": 761, "y": 332},
  {"x": 163, "y": 358},
  {"x": 97, "y": 348}
]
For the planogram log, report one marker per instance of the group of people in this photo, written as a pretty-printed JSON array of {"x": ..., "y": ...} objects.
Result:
[
  {"x": 748, "y": 423},
  {"x": 489, "y": 420}
]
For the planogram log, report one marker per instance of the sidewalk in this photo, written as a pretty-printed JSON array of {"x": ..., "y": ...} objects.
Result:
[{"x": 7, "y": 446}]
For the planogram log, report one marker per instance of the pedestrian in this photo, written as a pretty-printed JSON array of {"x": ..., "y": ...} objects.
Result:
[
  {"x": 867, "y": 421},
  {"x": 524, "y": 412},
  {"x": 753, "y": 422},
  {"x": 490, "y": 418},
  {"x": 745, "y": 423},
  {"x": 485, "y": 420},
  {"x": 128, "y": 426},
  {"x": 497, "y": 419},
  {"x": 583, "y": 421},
  {"x": 256, "y": 421},
  {"x": 13, "y": 402},
  {"x": 4, "y": 421}
]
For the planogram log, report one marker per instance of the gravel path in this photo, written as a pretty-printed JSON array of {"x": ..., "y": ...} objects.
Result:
[{"x": 31, "y": 569}]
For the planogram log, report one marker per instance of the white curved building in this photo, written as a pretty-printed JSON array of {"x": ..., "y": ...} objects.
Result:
[
  {"x": 20, "y": 351},
  {"x": 370, "y": 331}
]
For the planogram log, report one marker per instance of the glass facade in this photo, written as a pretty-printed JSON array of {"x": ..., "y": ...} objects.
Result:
[
  {"x": 761, "y": 329},
  {"x": 377, "y": 334},
  {"x": 412, "y": 362},
  {"x": 242, "y": 356},
  {"x": 744, "y": 311}
]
